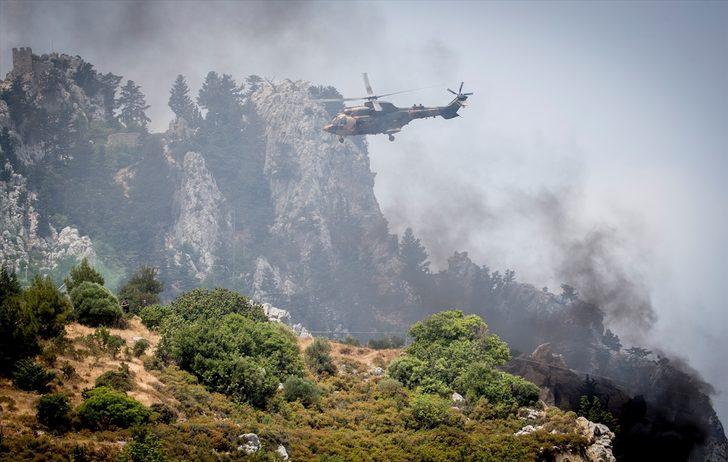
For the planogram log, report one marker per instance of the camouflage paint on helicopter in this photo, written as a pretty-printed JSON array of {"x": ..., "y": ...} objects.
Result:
[{"x": 376, "y": 116}]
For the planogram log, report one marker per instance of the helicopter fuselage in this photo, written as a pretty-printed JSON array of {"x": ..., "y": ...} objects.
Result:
[{"x": 366, "y": 120}]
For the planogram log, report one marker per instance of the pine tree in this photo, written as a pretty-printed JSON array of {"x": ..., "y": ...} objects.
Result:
[
  {"x": 133, "y": 106},
  {"x": 142, "y": 289},
  {"x": 414, "y": 258},
  {"x": 9, "y": 285},
  {"x": 221, "y": 133},
  {"x": 109, "y": 84},
  {"x": 181, "y": 103},
  {"x": 80, "y": 273}
]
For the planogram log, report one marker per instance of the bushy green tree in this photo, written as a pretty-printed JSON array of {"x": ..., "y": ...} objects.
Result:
[
  {"x": 121, "y": 379},
  {"x": 304, "y": 390},
  {"x": 235, "y": 355},
  {"x": 18, "y": 325},
  {"x": 144, "y": 447},
  {"x": 454, "y": 351},
  {"x": 318, "y": 357},
  {"x": 31, "y": 376},
  {"x": 428, "y": 411},
  {"x": 50, "y": 307},
  {"x": 81, "y": 273},
  {"x": 153, "y": 315},
  {"x": 53, "y": 411},
  {"x": 9, "y": 284},
  {"x": 205, "y": 303},
  {"x": 482, "y": 380},
  {"x": 142, "y": 289},
  {"x": 94, "y": 305},
  {"x": 133, "y": 106},
  {"x": 382, "y": 343},
  {"x": 105, "y": 408},
  {"x": 593, "y": 410},
  {"x": 140, "y": 347}
]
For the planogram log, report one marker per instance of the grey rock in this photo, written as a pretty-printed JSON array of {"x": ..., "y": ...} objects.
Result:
[{"x": 250, "y": 443}]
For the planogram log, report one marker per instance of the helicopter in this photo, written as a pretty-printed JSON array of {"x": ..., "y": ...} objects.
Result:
[{"x": 375, "y": 116}]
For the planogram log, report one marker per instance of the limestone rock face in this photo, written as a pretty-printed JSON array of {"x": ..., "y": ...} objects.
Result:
[
  {"x": 21, "y": 244},
  {"x": 600, "y": 440},
  {"x": 204, "y": 220}
]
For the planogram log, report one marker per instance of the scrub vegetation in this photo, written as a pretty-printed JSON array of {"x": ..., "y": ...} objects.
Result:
[{"x": 185, "y": 381}]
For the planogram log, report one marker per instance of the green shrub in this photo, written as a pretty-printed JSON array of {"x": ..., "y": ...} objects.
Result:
[
  {"x": 318, "y": 357},
  {"x": 391, "y": 388},
  {"x": 481, "y": 380},
  {"x": 235, "y": 355},
  {"x": 350, "y": 340},
  {"x": 297, "y": 388},
  {"x": 144, "y": 447},
  {"x": 452, "y": 351},
  {"x": 162, "y": 413},
  {"x": 384, "y": 343},
  {"x": 142, "y": 289},
  {"x": 94, "y": 305},
  {"x": 140, "y": 347},
  {"x": 18, "y": 332},
  {"x": 428, "y": 411},
  {"x": 83, "y": 272},
  {"x": 205, "y": 304},
  {"x": 30, "y": 376},
  {"x": 408, "y": 370},
  {"x": 594, "y": 410},
  {"x": 50, "y": 307},
  {"x": 120, "y": 380},
  {"x": 153, "y": 315},
  {"x": 104, "y": 341},
  {"x": 53, "y": 411},
  {"x": 105, "y": 408}
]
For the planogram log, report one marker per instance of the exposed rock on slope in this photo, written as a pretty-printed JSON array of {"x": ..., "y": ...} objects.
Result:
[
  {"x": 21, "y": 246},
  {"x": 204, "y": 220}
]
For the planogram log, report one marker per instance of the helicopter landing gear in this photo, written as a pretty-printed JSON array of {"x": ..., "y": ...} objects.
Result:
[
  {"x": 341, "y": 139},
  {"x": 391, "y": 137}
]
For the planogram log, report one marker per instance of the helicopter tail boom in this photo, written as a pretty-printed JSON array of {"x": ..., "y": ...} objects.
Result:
[{"x": 451, "y": 110}]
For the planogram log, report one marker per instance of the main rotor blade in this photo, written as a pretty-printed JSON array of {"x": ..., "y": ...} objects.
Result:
[
  {"x": 333, "y": 100},
  {"x": 461, "y": 87},
  {"x": 452, "y": 92},
  {"x": 367, "y": 85}
]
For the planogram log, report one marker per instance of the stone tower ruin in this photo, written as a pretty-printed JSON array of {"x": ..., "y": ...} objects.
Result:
[{"x": 22, "y": 61}]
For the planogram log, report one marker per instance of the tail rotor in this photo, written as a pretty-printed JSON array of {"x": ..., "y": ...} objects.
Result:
[{"x": 459, "y": 94}]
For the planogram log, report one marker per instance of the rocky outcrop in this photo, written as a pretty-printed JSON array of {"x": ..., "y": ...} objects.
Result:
[
  {"x": 204, "y": 220},
  {"x": 600, "y": 440},
  {"x": 21, "y": 245}
]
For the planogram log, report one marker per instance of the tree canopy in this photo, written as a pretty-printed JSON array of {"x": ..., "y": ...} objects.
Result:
[
  {"x": 452, "y": 351},
  {"x": 80, "y": 273},
  {"x": 181, "y": 103},
  {"x": 133, "y": 107},
  {"x": 142, "y": 289}
]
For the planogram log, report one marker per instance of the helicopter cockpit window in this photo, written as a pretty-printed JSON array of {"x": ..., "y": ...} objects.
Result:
[{"x": 340, "y": 121}]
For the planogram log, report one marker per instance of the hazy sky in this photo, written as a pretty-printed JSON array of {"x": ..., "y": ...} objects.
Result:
[{"x": 588, "y": 119}]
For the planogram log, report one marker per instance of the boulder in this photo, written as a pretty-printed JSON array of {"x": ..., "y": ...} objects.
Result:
[
  {"x": 281, "y": 452},
  {"x": 250, "y": 443}
]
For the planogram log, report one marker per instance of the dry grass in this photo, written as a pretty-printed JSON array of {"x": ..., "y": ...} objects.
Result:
[
  {"x": 346, "y": 353},
  {"x": 145, "y": 384}
]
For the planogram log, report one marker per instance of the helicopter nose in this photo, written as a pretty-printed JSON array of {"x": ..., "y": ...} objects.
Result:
[{"x": 329, "y": 128}]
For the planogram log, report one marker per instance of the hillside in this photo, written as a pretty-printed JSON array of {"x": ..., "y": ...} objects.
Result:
[
  {"x": 360, "y": 416},
  {"x": 252, "y": 196}
]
